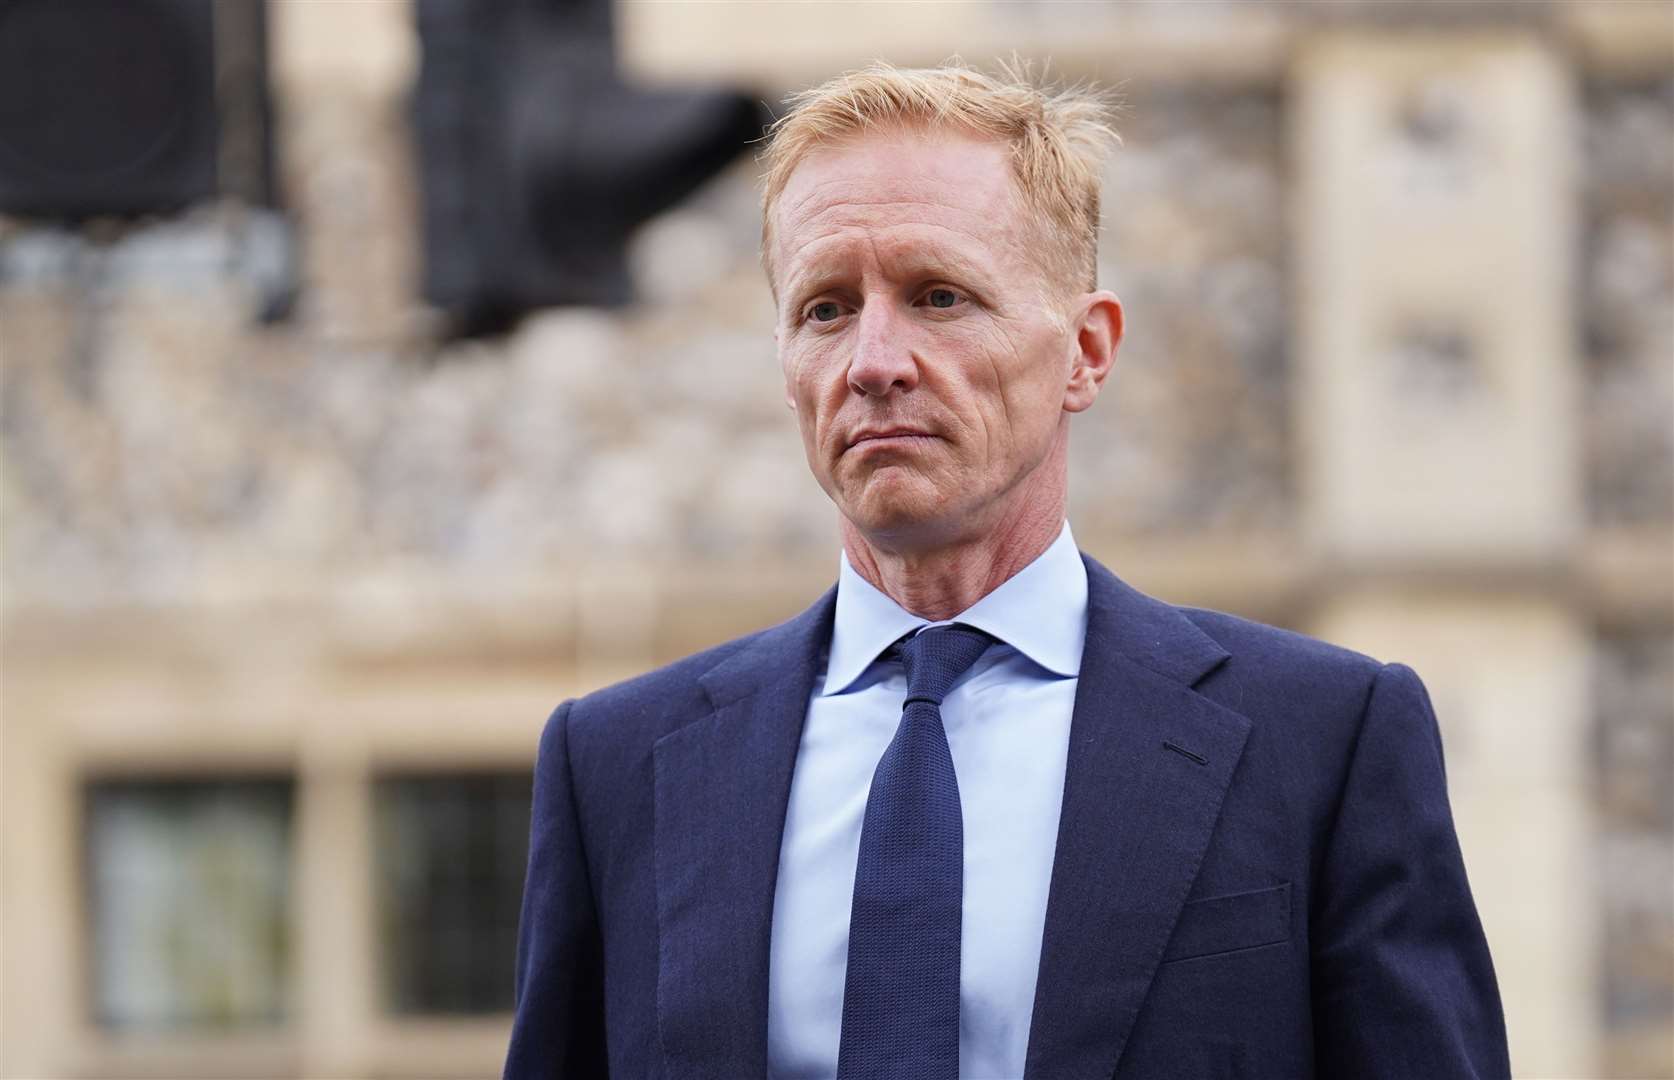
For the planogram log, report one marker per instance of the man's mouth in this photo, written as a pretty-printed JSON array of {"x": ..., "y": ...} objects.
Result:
[{"x": 890, "y": 436}]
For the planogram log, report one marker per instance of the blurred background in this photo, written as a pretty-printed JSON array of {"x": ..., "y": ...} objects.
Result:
[{"x": 377, "y": 374}]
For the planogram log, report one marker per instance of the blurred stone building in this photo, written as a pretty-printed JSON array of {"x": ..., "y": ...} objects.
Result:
[{"x": 287, "y": 602}]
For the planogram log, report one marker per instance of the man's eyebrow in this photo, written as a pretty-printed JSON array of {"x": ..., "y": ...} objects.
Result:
[{"x": 922, "y": 261}]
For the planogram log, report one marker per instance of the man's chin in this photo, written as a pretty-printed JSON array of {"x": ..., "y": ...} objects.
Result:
[{"x": 903, "y": 520}]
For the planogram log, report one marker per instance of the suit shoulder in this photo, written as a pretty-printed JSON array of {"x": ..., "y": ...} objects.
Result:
[
  {"x": 653, "y": 691},
  {"x": 1284, "y": 655},
  {"x": 1299, "y": 692},
  {"x": 628, "y": 716}
]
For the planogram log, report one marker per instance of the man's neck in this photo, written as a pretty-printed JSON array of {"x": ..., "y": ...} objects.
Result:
[{"x": 938, "y": 583}]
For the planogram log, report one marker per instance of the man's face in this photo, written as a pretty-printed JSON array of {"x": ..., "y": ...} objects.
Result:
[{"x": 931, "y": 363}]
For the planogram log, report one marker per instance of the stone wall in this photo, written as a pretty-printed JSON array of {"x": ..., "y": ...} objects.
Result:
[
  {"x": 1633, "y": 695},
  {"x": 154, "y": 429},
  {"x": 1627, "y": 282}
]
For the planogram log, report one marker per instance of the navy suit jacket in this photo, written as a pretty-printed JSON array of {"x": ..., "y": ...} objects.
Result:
[{"x": 1256, "y": 872}]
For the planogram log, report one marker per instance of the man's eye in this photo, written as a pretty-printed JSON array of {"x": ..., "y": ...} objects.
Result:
[
  {"x": 942, "y": 298},
  {"x": 825, "y": 311}
]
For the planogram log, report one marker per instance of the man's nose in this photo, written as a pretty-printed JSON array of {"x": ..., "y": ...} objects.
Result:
[{"x": 883, "y": 357}]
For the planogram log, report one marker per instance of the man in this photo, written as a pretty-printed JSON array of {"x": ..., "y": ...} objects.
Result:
[{"x": 984, "y": 810}]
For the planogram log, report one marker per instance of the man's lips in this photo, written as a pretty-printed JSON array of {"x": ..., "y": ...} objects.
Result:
[{"x": 887, "y": 436}]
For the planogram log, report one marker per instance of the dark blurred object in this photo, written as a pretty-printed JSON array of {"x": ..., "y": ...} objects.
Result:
[
  {"x": 130, "y": 107},
  {"x": 451, "y": 853},
  {"x": 538, "y": 162}
]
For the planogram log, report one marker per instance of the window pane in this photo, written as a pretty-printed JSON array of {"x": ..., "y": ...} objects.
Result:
[
  {"x": 188, "y": 896},
  {"x": 451, "y": 854}
]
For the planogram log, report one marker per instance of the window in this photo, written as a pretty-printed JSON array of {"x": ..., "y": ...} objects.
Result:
[
  {"x": 450, "y": 857},
  {"x": 189, "y": 884}
]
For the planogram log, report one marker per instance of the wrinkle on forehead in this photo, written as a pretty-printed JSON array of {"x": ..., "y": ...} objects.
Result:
[
  {"x": 904, "y": 250},
  {"x": 836, "y": 194},
  {"x": 885, "y": 213},
  {"x": 895, "y": 169}
]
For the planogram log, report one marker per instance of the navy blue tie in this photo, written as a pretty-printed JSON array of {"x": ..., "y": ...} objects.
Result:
[{"x": 901, "y": 994}]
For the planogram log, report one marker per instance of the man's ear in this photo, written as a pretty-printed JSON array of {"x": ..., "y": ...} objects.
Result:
[{"x": 1098, "y": 333}]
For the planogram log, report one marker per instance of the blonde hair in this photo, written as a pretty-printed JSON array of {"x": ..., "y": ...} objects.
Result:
[{"x": 1059, "y": 139}]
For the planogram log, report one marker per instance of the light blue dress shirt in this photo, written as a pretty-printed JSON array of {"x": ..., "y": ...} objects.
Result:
[{"x": 1008, "y": 723}]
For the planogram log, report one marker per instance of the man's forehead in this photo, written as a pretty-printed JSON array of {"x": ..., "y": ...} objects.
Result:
[
  {"x": 899, "y": 168},
  {"x": 951, "y": 195}
]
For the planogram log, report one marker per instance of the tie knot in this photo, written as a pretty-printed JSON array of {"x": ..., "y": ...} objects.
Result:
[{"x": 937, "y": 656}]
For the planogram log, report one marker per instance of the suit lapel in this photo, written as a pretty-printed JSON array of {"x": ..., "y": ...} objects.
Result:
[
  {"x": 722, "y": 784},
  {"x": 1137, "y": 815}
]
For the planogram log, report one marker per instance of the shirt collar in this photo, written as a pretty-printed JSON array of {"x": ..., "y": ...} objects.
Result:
[{"x": 1041, "y": 611}]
